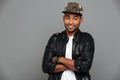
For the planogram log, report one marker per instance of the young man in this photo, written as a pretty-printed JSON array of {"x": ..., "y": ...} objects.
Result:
[{"x": 69, "y": 54}]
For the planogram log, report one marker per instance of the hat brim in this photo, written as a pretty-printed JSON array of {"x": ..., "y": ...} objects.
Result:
[{"x": 71, "y": 12}]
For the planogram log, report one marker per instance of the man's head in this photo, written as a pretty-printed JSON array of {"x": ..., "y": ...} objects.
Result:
[{"x": 72, "y": 17}]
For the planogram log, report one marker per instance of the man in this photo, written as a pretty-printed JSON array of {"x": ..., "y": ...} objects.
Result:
[{"x": 69, "y": 54}]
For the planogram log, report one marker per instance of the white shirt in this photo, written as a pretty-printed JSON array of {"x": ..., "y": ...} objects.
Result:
[{"x": 68, "y": 74}]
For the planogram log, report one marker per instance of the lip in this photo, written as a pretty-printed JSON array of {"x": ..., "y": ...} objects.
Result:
[{"x": 71, "y": 27}]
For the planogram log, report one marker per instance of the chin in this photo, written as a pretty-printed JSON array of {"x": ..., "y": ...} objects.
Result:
[{"x": 71, "y": 31}]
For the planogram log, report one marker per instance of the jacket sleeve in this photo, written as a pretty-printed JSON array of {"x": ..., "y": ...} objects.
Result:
[
  {"x": 83, "y": 64},
  {"x": 47, "y": 65}
]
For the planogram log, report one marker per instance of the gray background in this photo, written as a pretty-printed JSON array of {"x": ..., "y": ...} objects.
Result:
[{"x": 26, "y": 25}]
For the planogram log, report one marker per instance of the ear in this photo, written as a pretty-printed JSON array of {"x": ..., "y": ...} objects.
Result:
[{"x": 81, "y": 20}]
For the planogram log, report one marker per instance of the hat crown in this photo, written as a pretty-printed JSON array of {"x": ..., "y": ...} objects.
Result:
[{"x": 73, "y": 7}]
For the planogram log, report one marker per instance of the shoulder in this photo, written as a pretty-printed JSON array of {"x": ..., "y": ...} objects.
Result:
[
  {"x": 87, "y": 37},
  {"x": 52, "y": 38},
  {"x": 55, "y": 36}
]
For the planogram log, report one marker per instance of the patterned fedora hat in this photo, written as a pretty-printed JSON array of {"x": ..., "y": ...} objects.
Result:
[{"x": 73, "y": 7}]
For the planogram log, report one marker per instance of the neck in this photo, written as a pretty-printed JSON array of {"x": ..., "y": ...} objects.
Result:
[{"x": 71, "y": 33}]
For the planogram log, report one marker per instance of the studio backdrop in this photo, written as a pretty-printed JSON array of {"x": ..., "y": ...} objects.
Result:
[{"x": 26, "y": 26}]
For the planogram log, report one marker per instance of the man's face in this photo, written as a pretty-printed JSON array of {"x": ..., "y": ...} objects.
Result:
[{"x": 72, "y": 22}]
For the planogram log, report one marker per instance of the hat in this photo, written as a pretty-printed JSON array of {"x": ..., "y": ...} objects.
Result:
[{"x": 73, "y": 7}]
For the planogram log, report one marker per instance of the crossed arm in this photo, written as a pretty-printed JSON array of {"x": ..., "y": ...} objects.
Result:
[
  {"x": 63, "y": 64},
  {"x": 82, "y": 64}
]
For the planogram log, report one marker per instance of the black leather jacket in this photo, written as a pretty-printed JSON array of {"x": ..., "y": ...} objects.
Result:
[{"x": 83, "y": 47}]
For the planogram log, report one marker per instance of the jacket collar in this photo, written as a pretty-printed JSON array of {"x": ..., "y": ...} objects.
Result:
[{"x": 75, "y": 35}]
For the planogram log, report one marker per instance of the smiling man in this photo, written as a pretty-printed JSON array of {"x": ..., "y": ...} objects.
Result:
[{"x": 69, "y": 54}]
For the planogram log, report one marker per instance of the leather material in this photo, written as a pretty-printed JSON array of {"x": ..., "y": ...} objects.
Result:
[{"x": 82, "y": 53}]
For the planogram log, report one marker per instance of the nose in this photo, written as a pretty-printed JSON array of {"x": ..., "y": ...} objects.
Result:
[{"x": 71, "y": 21}]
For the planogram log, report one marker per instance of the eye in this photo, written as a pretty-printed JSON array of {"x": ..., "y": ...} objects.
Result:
[
  {"x": 67, "y": 17},
  {"x": 75, "y": 17}
]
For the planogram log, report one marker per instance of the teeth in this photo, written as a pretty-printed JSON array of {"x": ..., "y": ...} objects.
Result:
[{"x": 70, "y": 26}]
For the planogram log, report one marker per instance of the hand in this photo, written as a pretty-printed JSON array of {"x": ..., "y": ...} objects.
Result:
[
  {"x": 79, "y": 57},
  {"x": 54, "y": 59}
]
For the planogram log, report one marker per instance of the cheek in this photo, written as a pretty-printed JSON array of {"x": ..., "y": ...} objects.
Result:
[
  {"x": 66, "y": 22},
  {"x": 77, "y": 22}
]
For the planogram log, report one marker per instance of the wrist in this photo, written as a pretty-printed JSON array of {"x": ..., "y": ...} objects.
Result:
[
  {"x": 56, "y": 61},
  {"x": 60, "y": 59}
]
